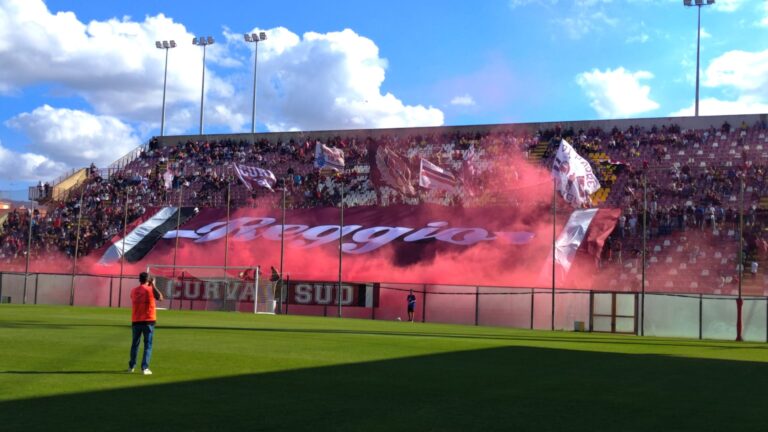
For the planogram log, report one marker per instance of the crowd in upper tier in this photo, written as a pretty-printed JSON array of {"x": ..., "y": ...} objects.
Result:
[{"x": 693, "y": 181}]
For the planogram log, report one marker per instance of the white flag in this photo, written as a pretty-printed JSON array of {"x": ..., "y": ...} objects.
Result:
[
  {"x": 573, "y": 176},
  {"x": 168, "y": 178}
]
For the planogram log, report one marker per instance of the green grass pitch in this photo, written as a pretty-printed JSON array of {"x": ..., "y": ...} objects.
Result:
[{"x": 61, "y": 370}]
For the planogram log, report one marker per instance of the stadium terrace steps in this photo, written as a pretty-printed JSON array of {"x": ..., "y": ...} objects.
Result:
[{"x": 537, "y": 154}]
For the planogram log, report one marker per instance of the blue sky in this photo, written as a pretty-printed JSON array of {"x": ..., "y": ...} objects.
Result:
[{"x": 82, "y": 81}]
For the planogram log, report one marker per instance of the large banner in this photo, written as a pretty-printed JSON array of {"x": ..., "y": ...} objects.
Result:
[
  {"x": 410, "y": 244},
  {"x": 188, "y": 286}
]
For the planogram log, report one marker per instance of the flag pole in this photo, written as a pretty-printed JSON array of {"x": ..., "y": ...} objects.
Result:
[
  {"x": 77, "y": 246},
  {"x": 176, "y": 243},
  {"x": 341, "y": 234},
  {"x": 645, "y": 235},
  {"x": 282, "y": 247},
  {"x": 226, "y": 238},
  {"x": 29, "y": 252},
  {"x": 739, "y": 300},
  {"x": 554, "y": 240}
]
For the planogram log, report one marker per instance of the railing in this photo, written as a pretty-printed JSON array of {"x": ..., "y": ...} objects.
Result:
[
  {"x": 695, "y": 316},
  {"x": 127, "y": 158},
  {"x": 34, "y": 191}
]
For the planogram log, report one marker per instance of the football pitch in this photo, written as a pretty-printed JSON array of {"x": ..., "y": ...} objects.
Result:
[{"x": 62, "y": 368}]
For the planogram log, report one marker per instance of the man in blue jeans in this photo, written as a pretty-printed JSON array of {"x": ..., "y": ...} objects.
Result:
[{"x": 143, "y": 318}]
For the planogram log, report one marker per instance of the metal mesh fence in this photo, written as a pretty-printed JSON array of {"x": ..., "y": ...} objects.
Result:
[{"x": 664, "y": 314}]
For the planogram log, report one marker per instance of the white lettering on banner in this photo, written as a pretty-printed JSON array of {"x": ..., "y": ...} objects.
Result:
[
  {"x": 303, "y": 294},
  {"x": 273, "y": 232},
  {"x": 232, "y": 290},
  {"x": 208, "y": 290},
  {"x": 371, "y": 241},
  {"x": 364, "y": 240},
  {"x": 425, "y": 233},
  {"x": 323, "y": 294},
  {"x": 471, "y": 236},
  {"x": 211, "y": 290},
  {"x": 247, "y": 230},
  {"x": 188, "y": 289},
  {"x": 315, "y": 237},
  {"x": 247, "y": 294},
  {"x": 169, "y": 289}
]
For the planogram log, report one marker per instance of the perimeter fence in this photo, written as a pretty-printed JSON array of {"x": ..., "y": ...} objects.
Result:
[{"x": 701, "y": 316}]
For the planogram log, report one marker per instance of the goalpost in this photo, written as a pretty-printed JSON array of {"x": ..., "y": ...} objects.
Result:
[{"x": 231, "y": 288}]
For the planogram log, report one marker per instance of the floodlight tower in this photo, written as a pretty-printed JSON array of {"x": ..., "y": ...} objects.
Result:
[
  {"x": 698, "y": 4},
  {"x": 166, "y": 45},
  {"x": 202, "y": 41},
  {"x": 255, "y": 38}
]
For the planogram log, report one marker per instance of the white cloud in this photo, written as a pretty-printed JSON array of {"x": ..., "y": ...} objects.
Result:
[
  {"x": 329, "y": 81},
  {"x": 764, "y": 21},
  {"x": 617, "y": 93},
  {"x": 465, "y": 100},
  {"x": 318, "y": 81},
  {"x": 728, "y": 5},
  {"x": 112, "y": 64},
  {"x": 73, "y": 139},
  {"x": 640, "y": 38},
  {"x": 705, "y": 34},
  {"x": 582, "y": 23},
  {"x": 742, "y": 70},
  {"x": 714, "y": 106},
  {"x": 15, "y": 166},
  {"x": 742, "y": 76},
  {"x": 514, "y": 4}
]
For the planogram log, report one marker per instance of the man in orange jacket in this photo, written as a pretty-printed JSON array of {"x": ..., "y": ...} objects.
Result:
[{"x": 143, "y": 318}]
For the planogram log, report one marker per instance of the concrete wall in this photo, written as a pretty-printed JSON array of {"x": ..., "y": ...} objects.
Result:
[{"x": 684, "y": 122}]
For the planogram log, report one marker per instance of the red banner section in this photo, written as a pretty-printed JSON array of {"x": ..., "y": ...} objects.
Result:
[{"x": 422, "y": 244}]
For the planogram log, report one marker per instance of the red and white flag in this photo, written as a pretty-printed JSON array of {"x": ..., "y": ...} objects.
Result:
[
  {"x": 432, "y": 176},
  {"x": 585, "y": 231},
  {"x": 328, "y": 158}
]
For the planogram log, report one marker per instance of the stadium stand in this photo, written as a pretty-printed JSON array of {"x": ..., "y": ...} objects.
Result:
[{"x": 693, "y": 181}]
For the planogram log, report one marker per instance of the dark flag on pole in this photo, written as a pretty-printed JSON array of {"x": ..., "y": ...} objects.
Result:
[
  {"x": 252, "y": 176},
  {"x": 393, "y": 170},
  {"x": 432, "y": 176}
]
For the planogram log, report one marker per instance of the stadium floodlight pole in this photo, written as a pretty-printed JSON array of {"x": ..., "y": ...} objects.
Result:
[
  {"x": 341, "y": 234},
  {"x": 698, "y": 4},
  {"x": 77, "y": 246},
  {"x": 166, "y": 45},
  {"x": 255, "y": 38},
  {"x": 740, "y": 267},
  {"x": 202, "y": 41},
  {"x": 645, "y": 235},
  {"x": 29, "y": 252}
]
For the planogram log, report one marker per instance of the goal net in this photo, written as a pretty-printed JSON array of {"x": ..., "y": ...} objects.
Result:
[{"x": 215, "y": 288}]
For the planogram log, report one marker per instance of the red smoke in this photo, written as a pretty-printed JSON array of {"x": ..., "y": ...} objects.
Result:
[{"x": 527, "y": 193}]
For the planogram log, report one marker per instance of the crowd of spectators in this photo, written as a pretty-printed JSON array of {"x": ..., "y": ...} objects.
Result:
[{"x": 690, "y": 180}]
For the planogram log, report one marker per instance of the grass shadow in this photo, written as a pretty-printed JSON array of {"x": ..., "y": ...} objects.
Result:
[
  {"x": 509, "y": 388},
  {"x": 64, "y": 372},
  {"x": 603, "y": 338}
]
